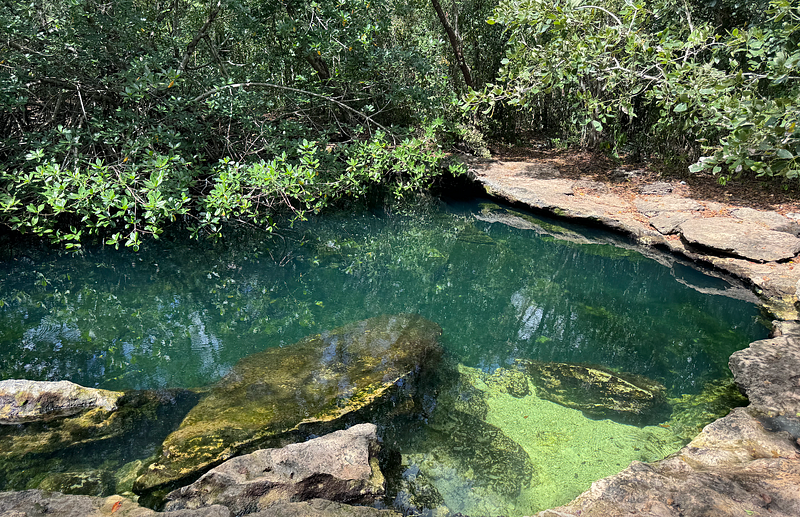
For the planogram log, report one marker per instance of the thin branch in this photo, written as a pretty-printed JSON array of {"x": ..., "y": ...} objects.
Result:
[
  {"x": 296, "y": 90},
  {"x": 200, "y": 35},
  {"x": 600, "y": 9}
]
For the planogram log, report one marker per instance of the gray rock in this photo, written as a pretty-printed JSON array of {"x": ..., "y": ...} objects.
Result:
[
  {"x": 768, "y": 219},
  {"x": 322, "y": 508},
  {"x": 340, "y": 466},
  {"x": 768, "y": 371},
  {"x": 668, "y": 223},
  {"x": 655, "y": 206},
  {"x": 744, "y": 239},
  {"x": 26, "y": 401},
  {"x": 38, "y": 503},
  {"x": 657, "y": 189}
]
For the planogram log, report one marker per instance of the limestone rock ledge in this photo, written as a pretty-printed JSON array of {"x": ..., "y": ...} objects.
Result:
[{"x": 747, "y": 463}]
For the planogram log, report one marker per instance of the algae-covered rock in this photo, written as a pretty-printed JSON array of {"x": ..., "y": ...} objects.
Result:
[
  {"x": 27, "y": 401},
  {"x": 83, "y": 447},
  {"x": 96, "y": 483},
  {"x": 340, "y": 466},
  {"x": 690, "y": 413},
  {"x": 599, "y": 392},
  {"x": 97, "y": 424},
  {"x": 307, "y": 386}
]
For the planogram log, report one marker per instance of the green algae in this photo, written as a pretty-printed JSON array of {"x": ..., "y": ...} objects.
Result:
[
  {"x": 692, "y": 412},
  {"x": 568, "y": 449},
  {"x": 308, "y": 385}
]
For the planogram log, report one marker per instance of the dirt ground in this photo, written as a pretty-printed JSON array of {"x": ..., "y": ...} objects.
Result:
[{"x": 743, "y": 192}]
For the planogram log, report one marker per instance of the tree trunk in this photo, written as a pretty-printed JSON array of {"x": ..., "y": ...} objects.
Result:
[{"x": 455, "y": 42}]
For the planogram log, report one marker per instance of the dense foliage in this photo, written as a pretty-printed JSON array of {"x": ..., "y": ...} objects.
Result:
[
  {"x": 120, "y": 118},
  {"x": 683, "y": 78}
]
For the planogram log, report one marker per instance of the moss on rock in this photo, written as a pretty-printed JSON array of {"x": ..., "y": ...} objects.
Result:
[
  {"x": 599, "y": 392},
  {"x": 308, "y": 385}
]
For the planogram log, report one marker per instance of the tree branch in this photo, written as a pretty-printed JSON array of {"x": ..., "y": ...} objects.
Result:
[
  {"x": 296, "y": 90},
  {"x": 456, "y": 43},
  {"x": 200, "y": 35}
]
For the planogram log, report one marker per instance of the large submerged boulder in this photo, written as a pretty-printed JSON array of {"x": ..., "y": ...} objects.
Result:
[
  {"x": 599, "y": 392},
  {"x": 340, "y": 466},
  {"x": 269, "y": 398},
  {"x": 27, "y": 401}
]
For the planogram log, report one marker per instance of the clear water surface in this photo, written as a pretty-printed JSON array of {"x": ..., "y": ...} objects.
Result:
[{"x": 502, "y": 284}]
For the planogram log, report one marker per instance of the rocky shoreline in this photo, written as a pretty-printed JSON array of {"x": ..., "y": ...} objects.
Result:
[{"x": 747, "y": 463}]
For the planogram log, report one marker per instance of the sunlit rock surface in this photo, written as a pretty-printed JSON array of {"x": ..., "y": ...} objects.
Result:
[
  {"x": 599, "y": 392},
  {"x": 26, "y": 401},
  {"x": 340, "y": 466},
  {"x": 308, "y": 385},
  {"x": 37, "y": 503}
]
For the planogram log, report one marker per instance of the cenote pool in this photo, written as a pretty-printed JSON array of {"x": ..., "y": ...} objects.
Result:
[{"x": 507, "y": 288}]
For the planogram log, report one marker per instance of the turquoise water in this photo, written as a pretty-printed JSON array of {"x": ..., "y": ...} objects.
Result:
[{"x": 502, "y": 284}]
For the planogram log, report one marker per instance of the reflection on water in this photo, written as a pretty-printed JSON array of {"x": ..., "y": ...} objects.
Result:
[{"x": 503, "y": 286}]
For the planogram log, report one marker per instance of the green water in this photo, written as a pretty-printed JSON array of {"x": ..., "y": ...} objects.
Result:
[{"x": 502, "y": 285}]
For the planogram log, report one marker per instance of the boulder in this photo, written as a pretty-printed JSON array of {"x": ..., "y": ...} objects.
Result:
[
  {"x": 768, "y": 372},
  {"x": 27, "y": 401},
  {"x": 276, "y": 396},
  {"x": 340, "y": 466},
  {"x": 38, "y": 503},
  {"x": 741, "y": 238},
  {"x": 322, "y": 508},
  {"x": 599, "y": 392}
]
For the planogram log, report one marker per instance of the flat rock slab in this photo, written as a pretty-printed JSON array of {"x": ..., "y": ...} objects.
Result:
[
  {"x": 744, "y": 239},
  {"x": 656, "y": 205},
  {"x": 668, "y": 223},
  {"x": 340, "y": 466},
  {"x": 309, "y": 385},
  {"x": 38, "y": 503},
  {"x": 768, "y": 219},
  {"x": 26, "y": 401},
  {"x": 322, "y": 508}
]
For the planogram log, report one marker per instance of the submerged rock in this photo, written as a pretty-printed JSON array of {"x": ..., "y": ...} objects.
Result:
[
  {"x": 340, "y": 466},
  {"x": 599, "y": 392},
  {"x": 27, "y": 401},
  {"x": 272, "y": 396},
  {"x": 80, "y": 448}
]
